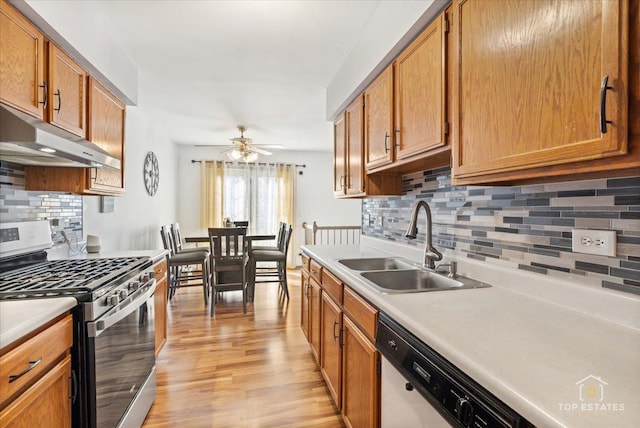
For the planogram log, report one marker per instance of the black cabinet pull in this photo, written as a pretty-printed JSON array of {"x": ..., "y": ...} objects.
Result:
[
  {"x": 57, "y": 94},
  {"x": 74, "y": 387},
  {"x": 335, "y": 336},
  {"x": 45, "y": 94},
  {"x": 32, "y": 365},
  {"x": 397, "y": 138},
  {"x": 386, "y": 142},
  {"x": 603, "y": 104}
]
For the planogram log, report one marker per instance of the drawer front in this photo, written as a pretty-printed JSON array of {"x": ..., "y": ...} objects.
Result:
[
  {"x": 40, "y": 353},
  {"x": 361, "y": 312},
  {"x": 305, "y": 262},
  {"x": 333, "y": 286},
  {"x": 160, "y": 270},
  {"x": 315, "y": 270}
]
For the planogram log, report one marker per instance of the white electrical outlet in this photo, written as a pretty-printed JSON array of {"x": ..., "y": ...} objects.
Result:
[{"x": 600, "y": 242}]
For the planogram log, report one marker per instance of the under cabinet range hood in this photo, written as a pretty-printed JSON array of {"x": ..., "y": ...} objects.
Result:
[{"x": 25, "y": 140}]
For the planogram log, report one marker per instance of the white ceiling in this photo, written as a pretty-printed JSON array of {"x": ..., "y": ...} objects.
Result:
[{"x": 207, "y": 66}]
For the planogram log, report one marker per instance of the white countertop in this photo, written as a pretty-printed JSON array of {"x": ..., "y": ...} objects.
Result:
[
  {"x": 530, "y": 340},
  {"x": 20, "y": 317},
  {"x": 60, "y": 252}
]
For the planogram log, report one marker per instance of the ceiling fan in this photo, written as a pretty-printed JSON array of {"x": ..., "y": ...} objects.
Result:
[{"x": 244, "y": 149}]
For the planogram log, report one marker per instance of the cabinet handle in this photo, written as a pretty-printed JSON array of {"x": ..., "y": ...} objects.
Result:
[
  {"x": 32, "y": 365},
  {"x": 45, "y": 94},
  {"x": 335, "y": 336},
  {"x": 603, "y": 104},
  {"x": 74, "y": 387},
  {"x": 396, "y": 140},
  {"x": 57, "y": 94},
  {"x": 386, "y": 142},
  {"x": 341, "y": 341}
]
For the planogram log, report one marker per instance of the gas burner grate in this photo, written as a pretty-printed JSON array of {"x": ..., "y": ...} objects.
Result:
[{"x": 65, "y": 277}]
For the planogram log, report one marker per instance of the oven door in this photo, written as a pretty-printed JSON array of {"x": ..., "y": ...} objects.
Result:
[{"x": 121, "y": 362}]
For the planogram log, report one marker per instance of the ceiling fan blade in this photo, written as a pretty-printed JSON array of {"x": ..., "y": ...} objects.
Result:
[
  {"x": 259, "y": 151},
  {"x": 269, "y": 146}
]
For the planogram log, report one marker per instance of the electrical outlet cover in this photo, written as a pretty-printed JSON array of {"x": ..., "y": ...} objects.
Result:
[{"x": 599, "y": 242}]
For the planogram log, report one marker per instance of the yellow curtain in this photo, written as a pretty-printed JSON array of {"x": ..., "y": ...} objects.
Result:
[
  {"x": 286, "y": 206},
  {"x": 211, "y": 193}
]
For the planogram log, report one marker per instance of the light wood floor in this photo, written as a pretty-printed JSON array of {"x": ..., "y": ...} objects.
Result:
[{"x": 236, "y": 370}]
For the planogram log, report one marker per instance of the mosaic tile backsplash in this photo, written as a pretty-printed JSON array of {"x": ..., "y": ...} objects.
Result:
[
  {"x": 528, "y": 227},
  {"x": 64, "y": 211}
]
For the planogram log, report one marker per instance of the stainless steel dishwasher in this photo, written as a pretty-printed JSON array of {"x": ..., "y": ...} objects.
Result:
[{"x": 422, "y": 389}]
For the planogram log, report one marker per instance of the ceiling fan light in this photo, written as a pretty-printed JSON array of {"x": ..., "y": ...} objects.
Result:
[
  {"x": 234, "y": 154},
  {"x": 251, "y": 157}
]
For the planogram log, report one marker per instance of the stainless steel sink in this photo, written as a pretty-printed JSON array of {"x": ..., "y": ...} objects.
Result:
[
  {"x": 417, "y": 280},
  {"x": 382, "y": 264}
]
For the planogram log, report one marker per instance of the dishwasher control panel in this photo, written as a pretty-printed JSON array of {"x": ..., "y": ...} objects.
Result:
[{"x": 462, "y": 401}]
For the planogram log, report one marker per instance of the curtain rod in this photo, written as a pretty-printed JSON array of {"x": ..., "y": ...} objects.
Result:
[{"x": 251, "y": 163}]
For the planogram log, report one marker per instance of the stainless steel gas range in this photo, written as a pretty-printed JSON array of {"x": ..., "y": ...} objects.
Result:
[{"x": 113, "y": 355}]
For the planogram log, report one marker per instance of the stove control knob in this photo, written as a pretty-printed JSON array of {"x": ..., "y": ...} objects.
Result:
[
  {"x": 464, "y": 411},
  {"x": 133, "y": 286},
  {"x": 112, "y": 300},
  {"x": 122, "y": 294}
]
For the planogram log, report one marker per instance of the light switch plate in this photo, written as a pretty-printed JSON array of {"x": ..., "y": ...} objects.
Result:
[{"x": 600, "y": 242}]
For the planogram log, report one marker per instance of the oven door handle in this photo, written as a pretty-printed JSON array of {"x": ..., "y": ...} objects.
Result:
[{"x": 96, "y": 328}]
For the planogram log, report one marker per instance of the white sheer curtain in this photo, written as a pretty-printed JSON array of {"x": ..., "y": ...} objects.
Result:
[
  {"x": 260, "y": 193},
  {"x": 252, "y": 193}
]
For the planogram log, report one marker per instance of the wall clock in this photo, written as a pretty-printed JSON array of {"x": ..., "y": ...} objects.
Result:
[{"x": 151, "y": 173}]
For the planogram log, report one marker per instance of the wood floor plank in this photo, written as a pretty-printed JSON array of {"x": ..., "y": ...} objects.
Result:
[{"x": 236, "y": 370}]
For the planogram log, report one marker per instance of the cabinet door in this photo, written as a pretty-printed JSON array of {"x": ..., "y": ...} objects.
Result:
[
  {"x": 339, "y": 156},
  {"x": 331, "y": 355},
  {"x": 45, "y": 404},
  {"x": 160, "y": 304},
  {"x": 67, "y": 105},
  {"x": 530, "y": 84},
  {"x": 304, "y": 309},
  {"x": 21, "y": 63},
  {"x": 378, "y": 120},
  {"x": 420, "y": 109},
  {"x": 106, "y": 129},
  {"x": 315, "y": 300},
  {"x": 354, "y": 115},
  {"x": 361, "y": 384}
]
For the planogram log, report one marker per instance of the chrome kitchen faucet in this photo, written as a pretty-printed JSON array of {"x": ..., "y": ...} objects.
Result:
[{"x": 431, "y": 255}]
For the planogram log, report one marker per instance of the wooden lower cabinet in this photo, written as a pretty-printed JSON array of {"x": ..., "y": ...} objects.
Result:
[
  {"x": 160, "y": 301},
  {"x": 46, "y": 404},
  {"x": 340, "y": 327},
  {"x": 315, "y": 298},
  {"x": 360, "y": 378},
  {"x": 331, "y": 353},
  {"x": 304, "y": 310},
  {"x": 40, "y": 394}
]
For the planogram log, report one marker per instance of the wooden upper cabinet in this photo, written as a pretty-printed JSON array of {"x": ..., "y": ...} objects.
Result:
[
  {"x": 106, "y": 129},
  {"x": 378, "y": 121},
  {"x": 420, "y": 93},
  {"x": 21, "y": 63},
  {"x": 530, "y": 87},
  {"x": 354, "y": 115},
  {"x": 339, "y": 156},
  {"x": 67, "y": 104}
]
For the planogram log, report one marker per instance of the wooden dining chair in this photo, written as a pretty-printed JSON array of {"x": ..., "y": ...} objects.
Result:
[
  {"x": 185, "y": 268},
  {"x": 228, "y": 262},
  {"x": 277, "y": 255},
  {"x": 178, "y": 242}
]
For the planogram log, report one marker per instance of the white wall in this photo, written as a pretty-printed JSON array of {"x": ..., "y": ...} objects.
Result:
[
  {"x": 314, "y": 196},
  {"x": 135, "y": 221}
]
